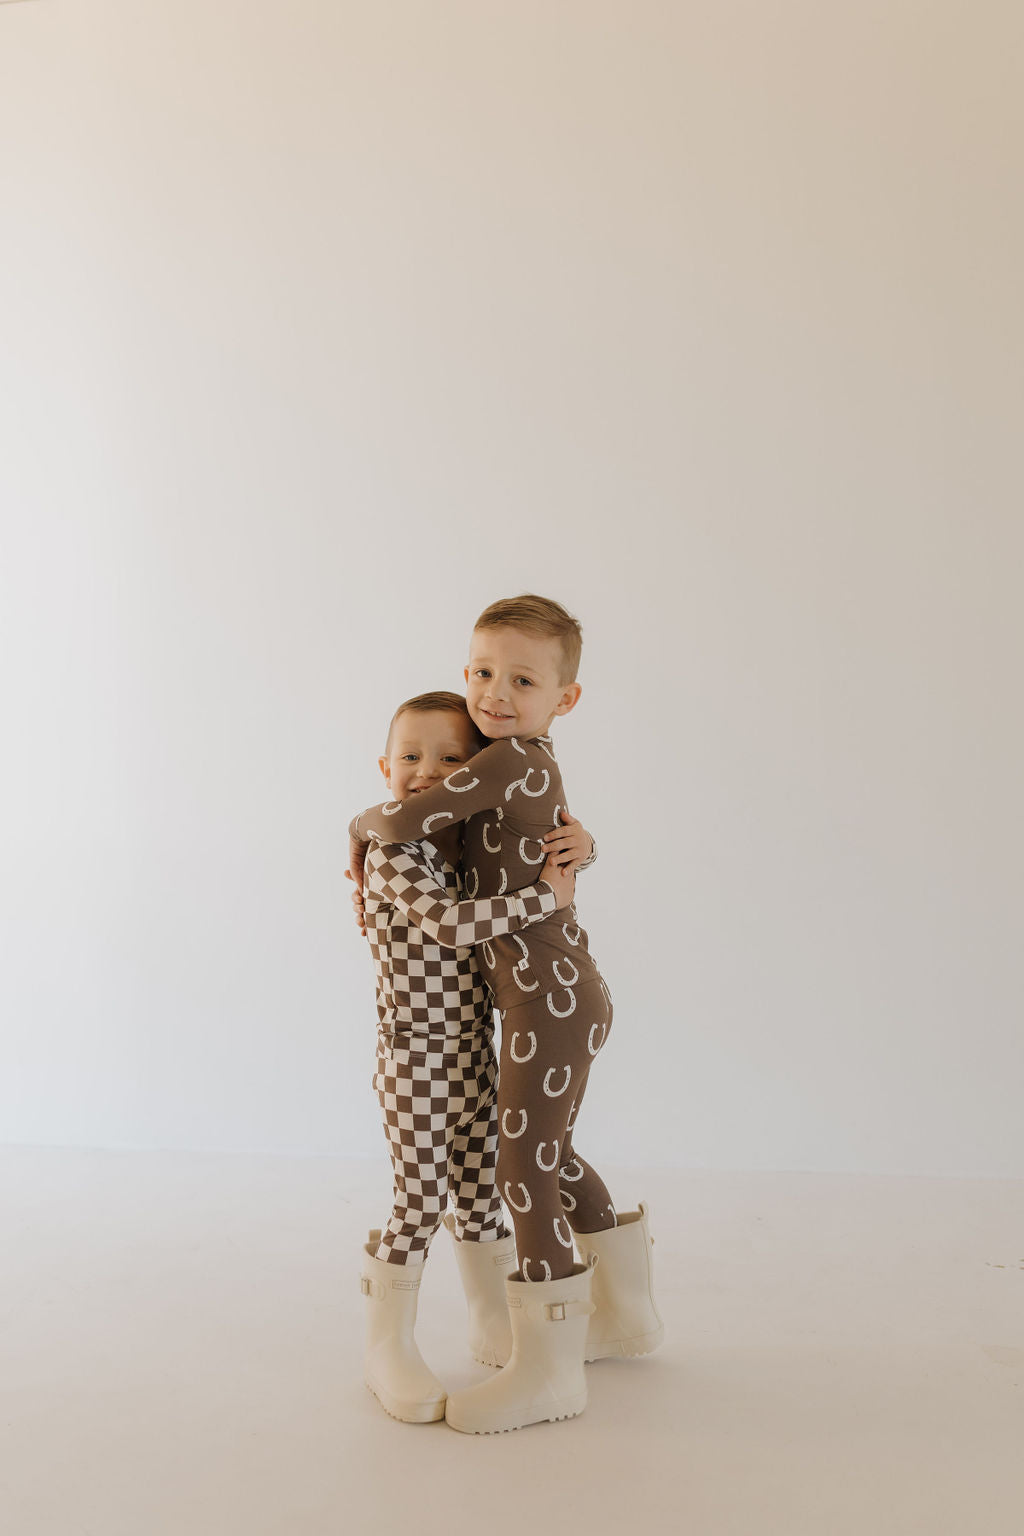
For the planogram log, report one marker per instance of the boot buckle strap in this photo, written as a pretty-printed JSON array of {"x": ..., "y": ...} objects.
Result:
[{"x": 558, "y": 1311}]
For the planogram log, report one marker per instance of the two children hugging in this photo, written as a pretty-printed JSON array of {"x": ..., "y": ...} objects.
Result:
[{"x": 467, "y": 881}]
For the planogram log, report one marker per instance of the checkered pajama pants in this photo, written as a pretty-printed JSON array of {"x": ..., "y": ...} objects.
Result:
[{"x": 439, "y": 1103}]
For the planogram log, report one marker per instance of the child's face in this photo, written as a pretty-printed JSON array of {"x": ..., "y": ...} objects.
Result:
[
  {"x": 512, "y": 685},
  {"x": 425, "y": 748}
]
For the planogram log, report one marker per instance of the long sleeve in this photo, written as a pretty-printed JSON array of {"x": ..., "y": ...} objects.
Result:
[
  {"x": 591, "y": 857},
  {"x": 485, "y": 781},
  {"x": 404, "y": 882}
]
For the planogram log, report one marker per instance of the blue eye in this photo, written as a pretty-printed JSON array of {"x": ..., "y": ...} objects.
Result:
[{"x": 525, "y": 680}]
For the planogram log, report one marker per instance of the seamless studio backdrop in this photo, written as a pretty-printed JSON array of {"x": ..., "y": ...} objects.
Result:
[{"x": 326, "y": 325}]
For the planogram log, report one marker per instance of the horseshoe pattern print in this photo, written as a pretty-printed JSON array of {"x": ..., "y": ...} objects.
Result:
[
  {"x": 491, "y": 847},
  {"x": 530, "y": 1053},
  {"x": 556, "y": 1093},
  {"x": 522, "y": 1124},
  {"x": 539, "y": 1100},
  {"x": 561, "y": 1013},
  {"x": 565, "y": 981}
]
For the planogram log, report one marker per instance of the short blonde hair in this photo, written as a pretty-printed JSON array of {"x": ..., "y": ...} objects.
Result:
[
  {"x": 427, "y": 703},
  {"x": 539, "y": 616}
]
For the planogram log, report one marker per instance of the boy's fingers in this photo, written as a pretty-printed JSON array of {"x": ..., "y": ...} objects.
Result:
[{"x": 561, "y": 831}]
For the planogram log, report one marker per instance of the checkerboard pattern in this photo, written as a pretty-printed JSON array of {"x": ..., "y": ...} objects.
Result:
[
  {"x": 421, "y": 936},
  {"x": 440, "y": 1114}
]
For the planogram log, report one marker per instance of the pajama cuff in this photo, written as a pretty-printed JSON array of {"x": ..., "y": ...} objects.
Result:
[{"x": 536, "y": 901}]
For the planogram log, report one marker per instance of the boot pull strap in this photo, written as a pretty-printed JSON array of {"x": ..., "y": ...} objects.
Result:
[{"x": 371, "y": 1287}]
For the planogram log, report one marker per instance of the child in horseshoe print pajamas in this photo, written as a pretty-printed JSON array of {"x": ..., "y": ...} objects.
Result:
[
  {"x": 436, "y": 1067},
  {"x": 556, "y": 1014}
]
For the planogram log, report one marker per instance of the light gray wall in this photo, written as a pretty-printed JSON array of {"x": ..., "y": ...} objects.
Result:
[{"x": 325, "y": 324}]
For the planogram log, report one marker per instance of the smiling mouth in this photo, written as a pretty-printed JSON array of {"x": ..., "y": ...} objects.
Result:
[{"x": 492, "y": 716}]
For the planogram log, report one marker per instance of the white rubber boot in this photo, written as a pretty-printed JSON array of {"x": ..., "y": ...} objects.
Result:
[
  {"x": 544, "y": 1378},
  {"x": 483, "y": 1268},
  {"x": 396, "y": 1372},
  {"x": 625, "y": 1319}
]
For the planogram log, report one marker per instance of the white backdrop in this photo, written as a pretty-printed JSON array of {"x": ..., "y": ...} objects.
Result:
[{"x": 325, "y": 325}]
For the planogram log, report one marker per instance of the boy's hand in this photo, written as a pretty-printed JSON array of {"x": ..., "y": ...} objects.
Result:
[
  {"x": 561, "y": 881},
  {"x": 571, "y": 842},
  {"x": 357, "y": 904}
]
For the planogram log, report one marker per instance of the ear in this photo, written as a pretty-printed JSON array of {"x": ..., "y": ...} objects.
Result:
[
  {"x": 384, "y": 765},
  {"x": 569, "y": 700},
  {"x": 465, "y": 673}
]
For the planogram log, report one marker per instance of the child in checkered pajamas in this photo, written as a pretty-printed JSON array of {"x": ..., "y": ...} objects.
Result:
[
  {"x": 436, "y": 1065},
  {"x": 556, "y": 1015}
]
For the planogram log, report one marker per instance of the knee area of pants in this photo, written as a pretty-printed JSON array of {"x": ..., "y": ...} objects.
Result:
[
  {"x": 424, "y": 1225},
  {"x": 515, "y": 1171}
]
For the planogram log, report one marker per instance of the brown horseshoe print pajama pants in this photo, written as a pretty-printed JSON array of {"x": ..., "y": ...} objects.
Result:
[{"x": 547, "y": 1186}]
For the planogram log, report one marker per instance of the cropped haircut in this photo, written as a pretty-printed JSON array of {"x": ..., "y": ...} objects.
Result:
[
  {"x": 539, "y": 616},
  {"x": 427, "y": 703}
]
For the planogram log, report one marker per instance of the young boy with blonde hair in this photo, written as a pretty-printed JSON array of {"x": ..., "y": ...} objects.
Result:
[{"x": 556, "y": 1015}]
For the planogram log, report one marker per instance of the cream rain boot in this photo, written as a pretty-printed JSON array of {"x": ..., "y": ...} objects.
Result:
[
  {"x": 396, "y": 1372},
  {"x": 625, "y": 1319},
  {"x": 483, "y": 1268},
  {"x": 544, "y": 1378}
]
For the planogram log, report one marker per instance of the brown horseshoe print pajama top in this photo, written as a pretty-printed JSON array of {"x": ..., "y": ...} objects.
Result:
[
  {"x": 436, "y": 1066},
  {"x": 556, "y": 1009}
]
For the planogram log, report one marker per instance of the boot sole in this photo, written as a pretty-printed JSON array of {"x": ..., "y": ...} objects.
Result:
[
  {"x": 627, "y": 1348},
  {"x": 408, "y": 1413},
  {"x": 504, "y": 1429}
]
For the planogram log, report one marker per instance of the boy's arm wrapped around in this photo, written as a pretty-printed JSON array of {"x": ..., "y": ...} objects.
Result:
[
  {"x": 403, "y": 881},
  {"x": 477, "y": 785}
]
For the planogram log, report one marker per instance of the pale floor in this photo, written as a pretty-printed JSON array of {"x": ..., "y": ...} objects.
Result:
[{"x": 180, "y": 1356}]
